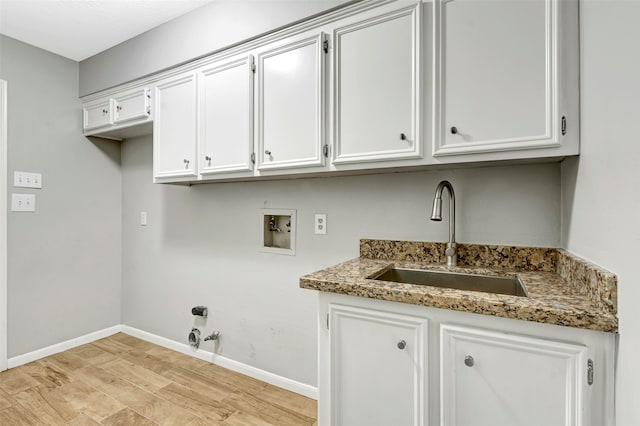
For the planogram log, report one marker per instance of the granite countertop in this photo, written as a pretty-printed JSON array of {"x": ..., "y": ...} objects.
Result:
[{"x": 562, "y": 289}]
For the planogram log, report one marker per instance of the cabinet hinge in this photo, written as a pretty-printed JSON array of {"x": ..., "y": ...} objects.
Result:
[
  {"x": 149, "y": 110},
  {"x": 253, "y": 157},
  {"x": 325, "y": 46},
  {"x": 590, "y": 372},
  {"x": 564, "y": 125},
  {"x": 327, "y": 321},
  {"x": 325, "y": 150},
  {"x": 253, "y": 67}
]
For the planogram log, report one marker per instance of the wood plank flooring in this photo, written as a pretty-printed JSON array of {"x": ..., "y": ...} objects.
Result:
[{"x": 121, "y": 380}]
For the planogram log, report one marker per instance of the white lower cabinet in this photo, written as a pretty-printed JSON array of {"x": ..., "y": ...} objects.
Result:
[
  {"x": 388, "y": 363},
  {"x": 490, "y": 379},
  {"x": 378, "y": 367}
]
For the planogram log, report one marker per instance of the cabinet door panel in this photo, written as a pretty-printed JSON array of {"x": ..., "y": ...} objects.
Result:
[
  {"x": 376, "y": 88},
  {"x": 291, "y": 103},
  {"x": 510, "y": 380},
  {"x": 373, "y": 380},
  {"x": 97, "y": 115},
  {"x": 226, "y": 123},
  {"x": 498, "y": 65},
  {"x": 132, "y": 105},
  {"x": 174, "y": 128}
]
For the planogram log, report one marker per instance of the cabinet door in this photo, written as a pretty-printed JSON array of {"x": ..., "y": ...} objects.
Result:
[
  {"x": 499, "y": 75},
  {"x": 97, "y": 114},
  {"x": 291, "y": 105},
  {"x": 174, "y": 128},
  {"x": 226, "y": 117},
  {"x": 500, "y": 379},
  {"x": 132, "y": 105},
  {"x": 376, "y": 88},
  {"x": 378, "y": 368}
]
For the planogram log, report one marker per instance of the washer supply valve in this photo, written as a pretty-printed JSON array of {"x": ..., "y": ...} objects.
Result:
[
  {"x": 200, "y": 311},
  {"x": 213, "y": 336}
]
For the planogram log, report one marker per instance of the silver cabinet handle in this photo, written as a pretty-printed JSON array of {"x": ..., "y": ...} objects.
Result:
[
  {"x": 267, "y": 152},
  {"x": 454, "y": 130},
  {"x": 207, "y": 158},
  {"x": 403, "y": 137},
  {"x": 105, "y": 111},
  {"x": 402, "y": 344},
  {"x": 119, "y": 108},
  {"x": 468, "y": 361},
  {"x": 186, "y": 161}
]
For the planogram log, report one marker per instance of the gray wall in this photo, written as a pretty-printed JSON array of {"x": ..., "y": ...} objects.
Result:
[
  {"x": 64, "y": 264},
  {"x": 601, "y": 199},
  {"x": 201, "y": 245},
  {"x": 194, "y": 34}
]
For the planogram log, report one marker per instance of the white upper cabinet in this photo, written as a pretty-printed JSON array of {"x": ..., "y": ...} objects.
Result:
[
  {"x": 373, "y": 85},
  {"x": 132, "y": 105},
  {"x": 175, "y": 128},
  {"x": 291, "y": 93},
  {"x": 376, "y": 86},
  {"x": 378, "y": 368},
  {"x": 507, "y": 77},
  {"x": 226, "y": 116},
  {"x": 493, "y": 379},
  {"x": 97, "y": 114}
]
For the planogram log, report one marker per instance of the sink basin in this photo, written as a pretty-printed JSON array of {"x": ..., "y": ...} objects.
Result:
[{"x": 458, "y": 281}]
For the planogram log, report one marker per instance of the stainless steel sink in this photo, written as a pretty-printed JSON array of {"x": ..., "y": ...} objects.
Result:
[{"x": 498, "y": 285}]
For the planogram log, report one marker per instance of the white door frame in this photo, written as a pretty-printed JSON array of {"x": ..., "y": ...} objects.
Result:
[{"x": 3, "y": 225}]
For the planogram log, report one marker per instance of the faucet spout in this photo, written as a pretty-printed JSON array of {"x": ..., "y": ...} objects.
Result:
[{"x": 436, "y": 215}]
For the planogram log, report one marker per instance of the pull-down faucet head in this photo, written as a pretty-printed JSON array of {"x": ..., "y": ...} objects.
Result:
[{"x": 436, "y": 215}]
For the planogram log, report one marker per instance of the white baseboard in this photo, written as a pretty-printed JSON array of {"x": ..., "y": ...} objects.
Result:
[
  {"x": 256, "y": 373},
  {"x": 19, "y": 360}
]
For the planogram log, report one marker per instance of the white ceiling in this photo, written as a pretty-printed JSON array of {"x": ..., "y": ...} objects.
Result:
[{"x": 78, "y": 29}]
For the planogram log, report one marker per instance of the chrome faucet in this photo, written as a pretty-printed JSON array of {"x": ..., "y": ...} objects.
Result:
[{"x": 451, "y": 252}]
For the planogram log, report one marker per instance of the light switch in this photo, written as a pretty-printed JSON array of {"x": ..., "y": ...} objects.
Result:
[
  {"x": 27, "y": 180},
  {"x": 143, "y": 218},
  {"x": 23, "y": 202}
]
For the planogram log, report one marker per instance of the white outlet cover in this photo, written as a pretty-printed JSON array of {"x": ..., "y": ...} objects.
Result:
[
  {"x": 23, "y": 202},
  {"x": 320, "y": 224}
]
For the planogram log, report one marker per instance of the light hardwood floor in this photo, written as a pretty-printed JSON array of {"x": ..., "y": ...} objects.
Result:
[{"x": 121, "y": 380}]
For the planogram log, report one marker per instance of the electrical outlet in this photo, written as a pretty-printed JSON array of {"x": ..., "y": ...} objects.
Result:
[
  {"x": 23, "y": 202},
  {"x": 143, "y": 218},
  {"x": 27, "y": 180},
  {"x": 320, "y": 224}
]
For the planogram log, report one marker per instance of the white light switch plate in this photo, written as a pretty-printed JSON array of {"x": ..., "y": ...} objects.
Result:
[
  {"x": 320, "y": 224},
  {"x": 27, "y": 180},
  {"x": 23, "y": 202}
]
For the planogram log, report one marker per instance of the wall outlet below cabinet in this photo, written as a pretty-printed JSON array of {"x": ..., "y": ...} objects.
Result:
[
  {"x": 278, "y": 231},
  {"x": 320, "y": 224}
]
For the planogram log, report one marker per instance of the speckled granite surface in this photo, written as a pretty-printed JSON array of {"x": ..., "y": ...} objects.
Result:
[
  {"x": 578, "y": 295},
  {"x": 600, "y": 285},
  {"x": 504, "y": 257}
]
